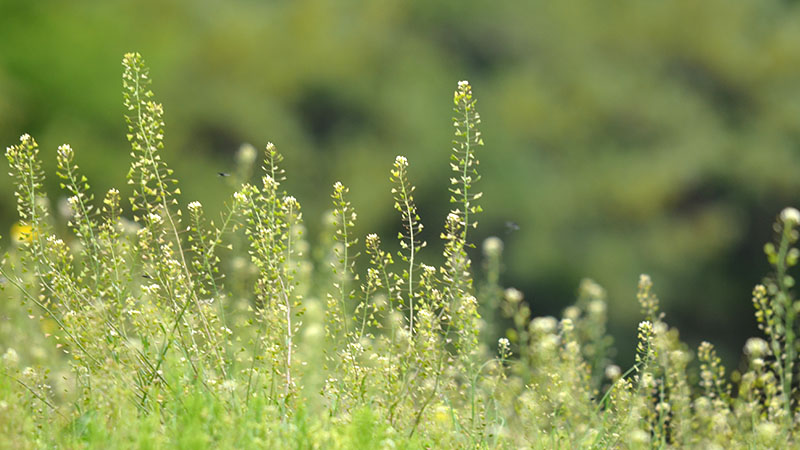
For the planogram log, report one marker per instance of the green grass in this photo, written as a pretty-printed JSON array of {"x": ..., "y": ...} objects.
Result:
[{"x": 145, "y": 324}]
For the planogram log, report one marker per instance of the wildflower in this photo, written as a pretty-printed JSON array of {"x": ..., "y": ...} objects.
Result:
[
  {"x": 548, "y": 343},
  {"x": 756, "y": 347},
  {"x": 10, "y": 358},
  {"x": 246, "y": 155},
  {"x": 647, "y": 381},
  {"x": 596, "y": 307},
  {"x": 504, "y": 347},
  {"x": 678, "y": 357},
  {"x": 21, "y": 233},
  {"x": 544, "y": 325},
  {"x": 28, "y": 373},
  {"x": 645, "y": 329},
  {"x": 591, "y": 289},
  {"x": 790, "y": 216},
  {"x": 151, "y": 289},
  {"x": 452, "y": 218},
  {"x": 240, "y": 196},
  {"x": 613, "y": 372},
  {"x": 441, "y": 414},
  {"x": 639, "y": 437},
  {"x": 513, "y": 295},
  {"x": 572, "y": 313},
  {"x": 567, "y": 325},
  {"x": 65, "y": 151},
  {"x": 68, "y": 206},
  {"x": 194, "y": 206},
  {"x": 766, "y": 430},
  {"x": 154, "y": 218},
  {"x": 269, "y": 182},
  {"x": 289, "y": 200},
  {"x": 492, "y": 247},
  {"x": 229, "y": 385}
]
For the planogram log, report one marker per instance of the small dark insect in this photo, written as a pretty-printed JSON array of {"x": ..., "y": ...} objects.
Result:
[
  {"x": 147, "y": 276},
  {"x": 223, "y": 174},
  {"x": 511, "y": 227}
]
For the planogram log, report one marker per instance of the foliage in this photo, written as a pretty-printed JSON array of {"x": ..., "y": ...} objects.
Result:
[{"x": 163, "y": 331}]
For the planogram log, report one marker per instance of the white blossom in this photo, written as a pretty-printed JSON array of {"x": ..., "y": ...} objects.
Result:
[
  {"x": 10, "y": 358},
  {"x": 154, "y": 218},
  {"x": 492, "y": 246},
  {"x": 756, "y": 347},
  {"x": 790, "y": 216},
  {"x": 544, "y": 325},
  {"x": 613, "y": 372},
  {"x": 240, "y": 196},
  {"x": 513, "y": 295}
]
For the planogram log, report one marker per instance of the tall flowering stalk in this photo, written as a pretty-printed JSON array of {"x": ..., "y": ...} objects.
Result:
[
  {"x": 410, "y": 242},
  {"x": 463, "y": 161},
  {"x": 776, "y": 308},
  {"x": 272, "y": 219}
]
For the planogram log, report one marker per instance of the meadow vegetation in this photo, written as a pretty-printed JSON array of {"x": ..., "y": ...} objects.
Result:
[{"x": 143, "y": 323}]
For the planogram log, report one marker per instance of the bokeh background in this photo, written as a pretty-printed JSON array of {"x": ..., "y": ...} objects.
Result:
[{"x": 622, "y": 137}]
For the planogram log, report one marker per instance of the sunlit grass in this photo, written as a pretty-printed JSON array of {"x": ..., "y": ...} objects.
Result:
[{"x": 149, "y": 325}]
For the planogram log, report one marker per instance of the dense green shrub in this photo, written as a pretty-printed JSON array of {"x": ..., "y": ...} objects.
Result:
[{"x": 175, "y": 330}]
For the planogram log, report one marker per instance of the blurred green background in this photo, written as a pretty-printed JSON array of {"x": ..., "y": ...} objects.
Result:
[{"x": 622, "y": 136}]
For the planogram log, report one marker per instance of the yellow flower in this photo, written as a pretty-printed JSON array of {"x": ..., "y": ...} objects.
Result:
[
  {"x": 21, "y": 233},
  {"x": 441, "y": 415}
]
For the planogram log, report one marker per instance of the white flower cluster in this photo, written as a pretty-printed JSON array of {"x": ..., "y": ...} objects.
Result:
[
  {"x": 544, "y": 325},
  {"x": 246, "y": 155},
  {"x": 613, "y": 372},
  {"x": 65, "y": 151},
  {"x": 240, "y": 196},
  {"x": 151, "y": 289},
  {"x": 596, "y": 307},
  {"x": 10, "y": 358},
  {"x": 493, "y": 246},
  {"x": 591, "y": 289},
  {"x": 756, "y": 347},
  {"x": 790, "y": 216},
  {"x": 452, "y": 218},
  {"x": 567, "y": 325},
  {"x": 290, "y": 202},
  {"x": 504, "y": 346},
  {"x": 155, "y": 218},
  {"x": 194, "y": 206},
  {"x": 513, "y": 295}
]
